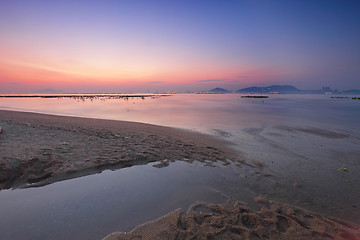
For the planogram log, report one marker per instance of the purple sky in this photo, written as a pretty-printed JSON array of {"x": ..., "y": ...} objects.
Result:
[{"x": 137, "y": 46}]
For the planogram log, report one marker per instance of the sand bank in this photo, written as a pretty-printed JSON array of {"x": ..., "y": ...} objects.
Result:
[
  {"x": 38, "y": 149},
  {"x": 237, "y": 221}
]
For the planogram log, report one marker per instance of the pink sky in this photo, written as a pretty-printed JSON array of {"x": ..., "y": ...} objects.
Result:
[{"x": 138, "y": 46}]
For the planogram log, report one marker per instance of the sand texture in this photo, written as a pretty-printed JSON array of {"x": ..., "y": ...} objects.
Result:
[
  {"x": 238, "y": 221},
  {"x": 38, "y": 149}
]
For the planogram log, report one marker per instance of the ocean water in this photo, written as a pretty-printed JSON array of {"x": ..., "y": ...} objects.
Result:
[
  {"x": 304, "y": 143},
  {"x": 205, "y": 112}
]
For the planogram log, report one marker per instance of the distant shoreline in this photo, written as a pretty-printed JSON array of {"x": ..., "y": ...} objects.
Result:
[{"x": 84, "y": 95}]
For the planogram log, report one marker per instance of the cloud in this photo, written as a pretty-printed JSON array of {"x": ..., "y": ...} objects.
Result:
[
  {"x": 157, "y": 82},
  {"x": 243, "y": 76},
  {"x": 40, "y": 67},
  {"x": 236, "y": 81},
  {"x": 212, "y": 80}
]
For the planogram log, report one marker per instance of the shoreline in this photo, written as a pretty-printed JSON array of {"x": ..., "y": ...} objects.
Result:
[
  {"x": 39, "y": 149},
  {"x": 87, "y": 96}
]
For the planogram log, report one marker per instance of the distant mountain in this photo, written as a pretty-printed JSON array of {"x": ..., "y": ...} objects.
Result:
[
  {"x": 270, "y": 89},
  {"x": 219, "y": 90},
  {"x": 49, "y": 91}
]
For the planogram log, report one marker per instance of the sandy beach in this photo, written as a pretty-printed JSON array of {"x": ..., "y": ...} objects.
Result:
[
  {"x": 236, "y": 220},
  {"x": 39, "y": 149}
]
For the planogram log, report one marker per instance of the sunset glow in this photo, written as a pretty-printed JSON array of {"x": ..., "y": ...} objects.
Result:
[{"x": 136, "y": 46}]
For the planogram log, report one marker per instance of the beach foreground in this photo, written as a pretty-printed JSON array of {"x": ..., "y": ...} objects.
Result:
[
  {"x": 39, "y": 149},
  {"x": 235, "y": 220}
]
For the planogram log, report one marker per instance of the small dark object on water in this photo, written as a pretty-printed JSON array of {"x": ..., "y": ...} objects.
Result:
[
  {"x": 354, "y": 98},
  {"x": 256, "y": 96},
  {"x": 340, "y": 97}
]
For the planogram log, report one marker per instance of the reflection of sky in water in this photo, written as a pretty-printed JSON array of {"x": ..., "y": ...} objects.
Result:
[
  {"x": 120, "y": 200},
  {"x": 205, "y": 112},
  {"x": 94, "y": 206}
]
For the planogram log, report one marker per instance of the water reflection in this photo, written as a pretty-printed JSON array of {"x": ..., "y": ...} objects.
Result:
[
  {"x": 301, "y": 140},
  {"x": 201, "y": 112},
  {"x": 93, "y": 206}
]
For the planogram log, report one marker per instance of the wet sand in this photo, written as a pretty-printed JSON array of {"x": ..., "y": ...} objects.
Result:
[
  {"x": 39, "y": 149},
  {"x": 238, "y": 221}
]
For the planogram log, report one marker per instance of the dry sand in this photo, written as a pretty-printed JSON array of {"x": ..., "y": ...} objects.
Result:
[
  {"x": 38, "y": 149},
  {"x": 238, "y": 221}
]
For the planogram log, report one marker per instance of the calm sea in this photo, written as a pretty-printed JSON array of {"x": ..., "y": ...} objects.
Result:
[{"x": 303, "y": 141}]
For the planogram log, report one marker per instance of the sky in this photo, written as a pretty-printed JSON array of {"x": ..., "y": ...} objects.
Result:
[{"x": 154, "y": 46}]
